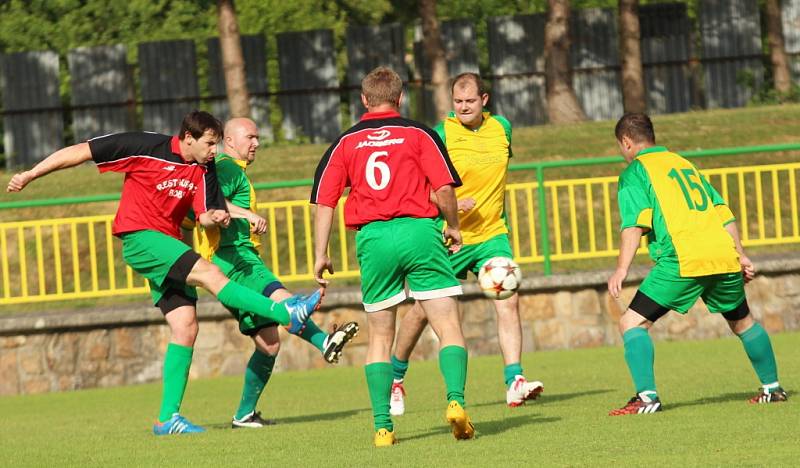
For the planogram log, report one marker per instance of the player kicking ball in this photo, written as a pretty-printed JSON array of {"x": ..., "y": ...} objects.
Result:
[
  {"x": 479, "y": 145},
  {"x": 694, "y": 242},
  {"x": 391, "y": 165},
  {"x": 165, "y": 176},
  {"x": 235, "y": 251}
]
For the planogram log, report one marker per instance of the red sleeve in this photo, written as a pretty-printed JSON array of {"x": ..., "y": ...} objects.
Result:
[
  {"x": 435, "y": 161},
  {"x": 120, "y": 152},
  {"x": 331, "y": 177}
]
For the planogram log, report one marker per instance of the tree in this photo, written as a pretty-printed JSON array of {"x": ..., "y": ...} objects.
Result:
[
  {"x": 633, "y": 96},
  {"x": 562, "y": 104},
  {"x": 434, "y": 51},
  {"x": 232, "y": 59},
  {"x": 777, "y": 52}
]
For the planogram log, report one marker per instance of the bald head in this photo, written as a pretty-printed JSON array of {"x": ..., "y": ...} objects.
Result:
[{"x": 241, "y": 139}]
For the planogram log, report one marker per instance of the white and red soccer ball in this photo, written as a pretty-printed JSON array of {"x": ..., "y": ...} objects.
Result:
[{"x": 499, "y": 278}]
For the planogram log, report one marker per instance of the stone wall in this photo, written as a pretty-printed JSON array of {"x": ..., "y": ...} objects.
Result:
[{"x": 99, "y": 348}]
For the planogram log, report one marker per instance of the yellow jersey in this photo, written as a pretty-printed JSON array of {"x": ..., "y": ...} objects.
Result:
[{"x": 481, "y": 159}]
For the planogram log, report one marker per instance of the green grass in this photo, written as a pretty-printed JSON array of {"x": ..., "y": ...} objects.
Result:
[{"x": 324, "y": 417}]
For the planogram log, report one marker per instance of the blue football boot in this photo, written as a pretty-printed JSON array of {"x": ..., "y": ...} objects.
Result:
[
  {"x": 300, "y": 309},
  {"x": 177, "y": 424}
]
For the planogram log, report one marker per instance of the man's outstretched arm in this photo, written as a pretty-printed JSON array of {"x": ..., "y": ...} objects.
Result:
[{"x": 64, "y": 158}]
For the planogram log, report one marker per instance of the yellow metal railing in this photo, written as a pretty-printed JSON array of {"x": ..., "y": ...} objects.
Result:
[
  {"x": 71, "y": 258},
  {"x": 65, "y": 258}
]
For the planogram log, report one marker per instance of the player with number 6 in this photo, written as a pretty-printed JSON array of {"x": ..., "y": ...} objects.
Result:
[{"x": 391, "y": 165}]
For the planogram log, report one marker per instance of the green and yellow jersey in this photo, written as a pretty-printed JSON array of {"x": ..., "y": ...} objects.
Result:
[
  {"x": 481, "y": 159},
  {"x": 237, "y": 188},
  {"x": 665, "y": 193}
]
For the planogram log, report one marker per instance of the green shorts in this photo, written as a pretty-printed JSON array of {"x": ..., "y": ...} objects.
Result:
[
  {"x": 391, "y": 253},
  {"x": 244, "y": 265},
  {"x": 721, "y": 293},
  {"x": 152, "y": 254},
  {"x": 472, "y": 257}
]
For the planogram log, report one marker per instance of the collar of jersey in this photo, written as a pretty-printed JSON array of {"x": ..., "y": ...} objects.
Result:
[
  {"x": 239, "y": 162},
  {"x": 652, "y": 149},
  {"x": 380, "y": 115},
  {"x": 452, "y": 117}
]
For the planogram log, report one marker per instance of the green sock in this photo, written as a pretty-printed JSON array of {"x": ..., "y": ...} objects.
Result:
[
  {"x": 510, "y": 372},
  {"x": 640, "y": 354},
  {"x": 177, "y": 361},
  {"x": 399, "y": 368},
  {"x": 313, "y": 335},
  {"x": 759, "y": 349},
  {"x": 379, "y": 382},
  {"x": 256, "y": 376},
  {"x": 236, "y": 296},
  {"x": 453, "y": 365}
]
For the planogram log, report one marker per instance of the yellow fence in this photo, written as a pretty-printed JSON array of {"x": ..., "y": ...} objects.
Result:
[{"x": 71, "y": 258}]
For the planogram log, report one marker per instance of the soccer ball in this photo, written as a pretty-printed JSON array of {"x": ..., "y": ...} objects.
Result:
[{"x": 499, "y": 278}]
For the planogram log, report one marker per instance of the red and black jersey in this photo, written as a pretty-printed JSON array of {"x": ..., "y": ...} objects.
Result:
[
  {"x": 160, "y": 186},
  {"x": 391, "y": 164}
]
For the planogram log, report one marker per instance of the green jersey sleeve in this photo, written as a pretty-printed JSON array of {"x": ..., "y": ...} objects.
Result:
[
  {"x": 439, "y": 129},
  {"x": 635, "y": 205},
  {"x": 507, "y": 128}
]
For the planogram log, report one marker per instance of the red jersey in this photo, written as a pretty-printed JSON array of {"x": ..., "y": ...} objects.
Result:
[
  {"x": 160, "y": 186},
  {"x": 391, "y": 164}
]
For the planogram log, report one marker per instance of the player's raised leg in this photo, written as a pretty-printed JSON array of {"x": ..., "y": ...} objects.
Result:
[
  {"x": 411, "y": 326},
  {"x": 292, "y": 313}
]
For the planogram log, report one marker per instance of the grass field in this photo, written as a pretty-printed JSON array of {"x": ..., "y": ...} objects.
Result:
[{"x": 324, "y": 418}]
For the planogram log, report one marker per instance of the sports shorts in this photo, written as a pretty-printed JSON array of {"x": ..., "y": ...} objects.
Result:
[
  {"x": 153, "y": 254},
  {"x": 399, "y": 251},
  {"x": 245, "y": 266},
  {"x": 721, "y": 293},
  {"x": 472, "y": 257}
]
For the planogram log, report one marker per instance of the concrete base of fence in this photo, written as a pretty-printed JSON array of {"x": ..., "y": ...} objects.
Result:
[{"x": 99, "y": 348}]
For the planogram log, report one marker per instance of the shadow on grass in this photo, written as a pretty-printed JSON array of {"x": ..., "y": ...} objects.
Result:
[
  {"x": 300, "y": 419},
  {"x": 488, "y": 428},
  {"x": 546, "y": 398},
  {"x": 724, "y": 398}
]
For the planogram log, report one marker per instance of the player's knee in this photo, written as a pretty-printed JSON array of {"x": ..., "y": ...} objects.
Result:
[
  {"x": 267, "y": 340},
  {"x": 205, "y": 274},
  {"x": 632, "y": 319},
  {"x": 271, "y": 348},
  {"x": 739, "y": 319},
  {"x": 185, "y": 332}
]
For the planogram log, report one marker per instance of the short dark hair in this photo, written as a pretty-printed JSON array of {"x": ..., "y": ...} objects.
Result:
[
  {"x": 469, "y": 76},
  {"x": 382, "y": 86},
  {"x": 197, "y": 122},
  {"x": 636, "y": 126}
]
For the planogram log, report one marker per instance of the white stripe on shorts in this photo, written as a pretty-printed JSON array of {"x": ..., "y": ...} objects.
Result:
[
  {"x": 437, "y": 293},
  {"x": 386, "y": 303}
]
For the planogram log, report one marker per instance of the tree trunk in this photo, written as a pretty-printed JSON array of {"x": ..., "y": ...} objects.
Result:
[
  {"x": 777, "y": 52},
  {"x": 434, "y": 51},
  {"x": 232, "y": 59},
  {"x": 562, "y": 104},
  {"x": 633, "y": 96}
]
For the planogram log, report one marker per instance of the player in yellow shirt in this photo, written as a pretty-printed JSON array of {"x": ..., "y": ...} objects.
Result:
[
  {"x": 479, "y": 145},
  {"x": 692, "y": 238}
]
